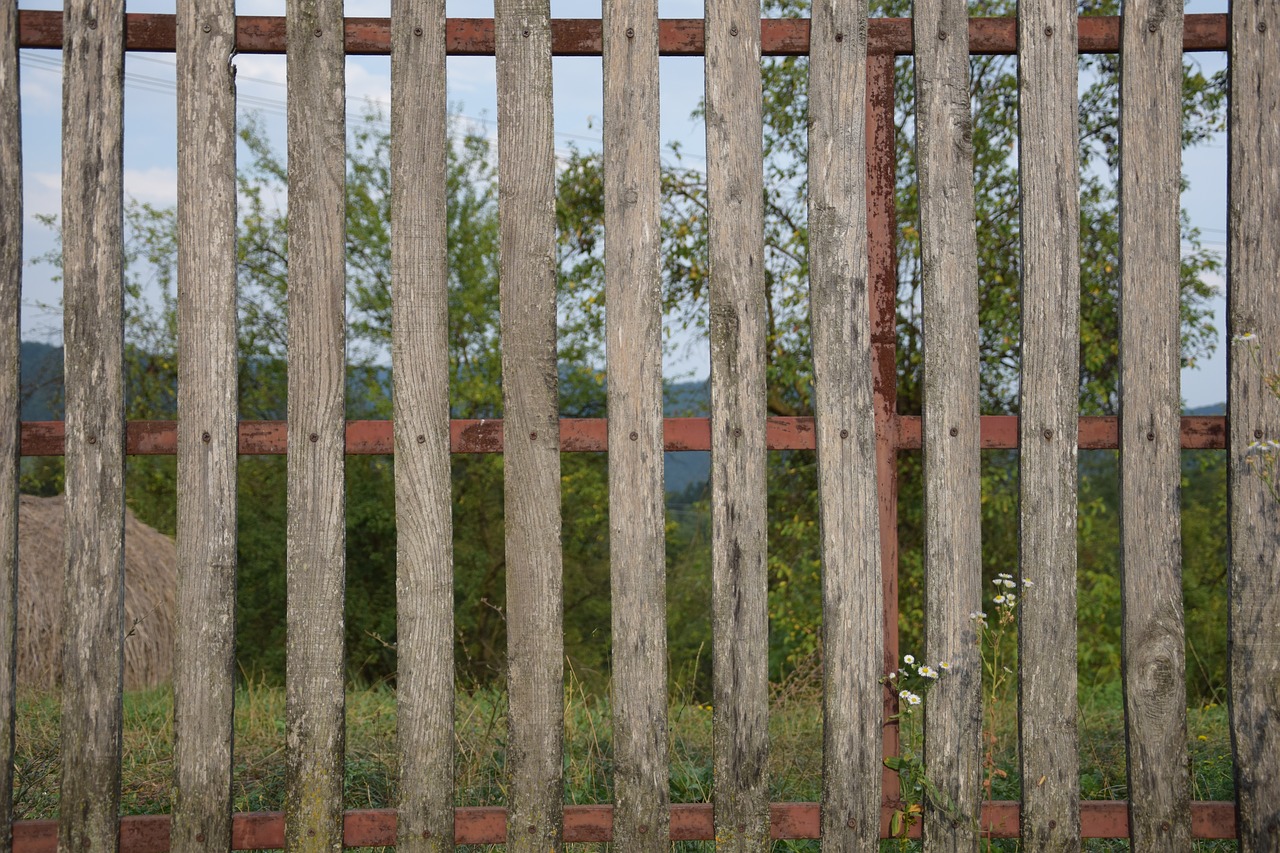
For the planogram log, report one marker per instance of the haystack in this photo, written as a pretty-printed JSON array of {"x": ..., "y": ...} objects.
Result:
[{"x": 150, "y": 571}]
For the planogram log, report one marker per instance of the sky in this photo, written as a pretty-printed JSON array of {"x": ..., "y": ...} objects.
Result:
[{"x": 150, "y": 140}]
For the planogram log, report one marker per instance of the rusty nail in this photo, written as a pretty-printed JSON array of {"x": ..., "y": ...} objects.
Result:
[
  {"x": 942, "y": 36},
  {"x": 1151, "y": 436},
  {"x": 422, "y": 439},
  {"x": 206, "y": 438},
  {"x": 532, "y": 829},
  {"x": 733, "y": 31},
  {"x": 737, "y": 432},
  {"x": 742, "y": 827},
  {"x": 1164, "y": 826},
  {"x": 207, "y": 28},
  {"x": 426, "y": 833},
  {"x": 631, "y": 32},
  {"x": 1053, "y": 824},
  {"x": 317, "y": 32},
  {"x": 839, "y": 36},
  {"x": 1257, "y": 433},
  {"x": 853, "y": 823},
  {"x": 200, "y": 837},
  {"x": 954, "y": 431},
  {"x": 93, "y": 23},
  {"x": 1152, "y": 27},
  {"x": 93, "y": 439},
  {"x": 634, "y": 435},
  {"x": 642, "y": 830},
  {"x": 533, "y": 436},
  {"x": 311, "y": 832},
  {"x": 314, "y": 438},
  {"x": 844, "y": 433},
  {"x": 1048, "y": 434},
  {"x": 417, "y": 31}
]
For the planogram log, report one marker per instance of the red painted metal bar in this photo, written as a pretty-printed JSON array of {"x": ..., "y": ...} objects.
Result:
[
  {"x": 590, "y": 435},
  {"x": 692, "y": 822},
  {"x": 582, "y": 37},
  {"x": 882, "y": 268}
]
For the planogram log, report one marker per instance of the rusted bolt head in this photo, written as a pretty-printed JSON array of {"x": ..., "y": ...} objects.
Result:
[
  {"x": 1048, "y": 31},
  {"x": 422, "y": 439},
  {"x": 533, "y": 436},
  {"x": 318, "y": 32},
  {"x": 417, "y": 31},
  {"x": 643, "y": 830},
  {"x": 93, "y": 439},
  {"x": 205, "y": 437},
  {"x": 733, "y": 31},
  {"x": 314, "y": 438},
  {"x": 426, "y": 833},
  {"x": 631, "y": 33},
  {"x": 853, "y": 823},
  {"x": 839, "y": 36},
  {"x": 844, "y": 433},
  {"x": 1048, "y": 434},
  {"x": 1257, "y": 433},
  {"x": 1053, "y": 824},
  {"x": 954, "y": 431},
  {"x": 1152, "y": 27},
  {"x": 93, "y": 25},
  {"x": 1151, "y": 436},
  {"x": 742, "y": 827},
  {"x": 737, "y": 432},
  {"x": 207, "y": 29},
  {"x": 311, "y": 833},
  {"x": 526, "y": 35},
  {"x": 635, "y": 435},
  {"x": 1262, "y": 26},
  {"x": 942, "y": 36},
  {"x": 533, "y": 829},
  {"x": 200, "y": 837}
]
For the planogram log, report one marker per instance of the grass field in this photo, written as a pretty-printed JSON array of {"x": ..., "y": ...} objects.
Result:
[{"x": 795, "y": 752}]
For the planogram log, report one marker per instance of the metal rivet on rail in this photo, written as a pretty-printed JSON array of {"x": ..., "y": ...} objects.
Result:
[
  {"x": 631, "y": 32},
  {"x": 526, "y": 35},
  {"x": 942, "y": 36},
  {"x": 853, "y": 823},
  {"x": 422, "y": 439},
  {"x": 1048, "y": 31},
  {"x": 533, "y": 436},
  {"x": 314, "y": 438},
  {"x": 844, "y": 433},
  {"x": 1151, "y": 436},
  {"x": 635, "y": 436},
  {"x": 417, "y": 31},
  {"x": 1152, "y": 27},
  {"x": 317, "y": 32},
  {"x": 733, "y": 31},
  {"x": 1048, "y": 434},
  {"x": 954, "y": 431},
  {"x": 207, "y": 28},
  {"x": 93, "y": 439},
  {"x": 205, "y": 437}
]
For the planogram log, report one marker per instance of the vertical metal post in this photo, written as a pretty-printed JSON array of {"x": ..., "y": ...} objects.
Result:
[{"x": 883, "y": 267}]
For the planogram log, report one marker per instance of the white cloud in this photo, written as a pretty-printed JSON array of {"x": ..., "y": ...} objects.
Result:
[{"x": 157, "y": 185}]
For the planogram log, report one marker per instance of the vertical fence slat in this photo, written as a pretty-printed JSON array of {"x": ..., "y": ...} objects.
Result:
[
  {"x": 315, "y": 660},
  {"x": 633, "y": 285},
  {"x": 953, "y": 536},
  {"x": 1150, "y": 425},
  {"x": 204, "y": 662},
  {"x": 531, "y": 461},
  {"x": 420, "y": 372},
  {"x": 1049, "y": 405},
  {"x": 740, "y": 625},
  {"x": 1253, "y": 291},
  {"x": 10, "y": 396},
  {"x": 852, "y": 633},
  {"x": 93, "y": 339}
]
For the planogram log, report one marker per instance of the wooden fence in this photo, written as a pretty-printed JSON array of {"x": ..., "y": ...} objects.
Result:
[{"x": 856, "y": 431}]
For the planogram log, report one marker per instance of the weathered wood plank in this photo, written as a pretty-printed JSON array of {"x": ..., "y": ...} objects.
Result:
[
  {"x": 531, "y": 460},
  {"x": 1154, "y": 639},
  {"x": 1253, "y": 291},
  {"x": 10, "y": 397},
  {"x": 740, "y": 624},
  {"x": 204, "y": 661},
  {"x": 953, "y": 536},
  {"x": 852, "y": 630},
  {"x": 1048, "y": 430},
  {"x": 637, "y": 515},
  {"x": 315, "y": 660},
  {"x": 420, "y": 371},
  {"x": 93, "y": 337}
]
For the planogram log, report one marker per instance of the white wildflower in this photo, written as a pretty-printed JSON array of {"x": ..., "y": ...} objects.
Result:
[
  {"x": 908, "y": 659},
  {"x": 999, "y": 599},
  {"x": 977, "y": 615},
  {"x": 903, "y": 694},
  {"x": 944, "y": 665},
  {"x": 913, "y": 699},
  {"x": 1026, "y": 582},
  {"x": 1243, "y": 337},
  {"x": 927, "y": 671}
]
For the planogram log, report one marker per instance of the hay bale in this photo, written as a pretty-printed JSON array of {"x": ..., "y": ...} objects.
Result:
[{"x": 149, "y": 602}]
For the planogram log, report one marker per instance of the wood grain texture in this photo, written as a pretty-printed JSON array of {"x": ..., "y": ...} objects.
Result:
[
  {"x": 1253, "y": 291},
  {"x": 1154, "y": 640},
  {"x": 740, "y": 624},
  {"x": 10, "y": 397},
  {"x": 852, "y": 631},
  {"x": 204, "y": 659},
  {"x": 1049, "y": 403},
  {"x": 637, "y": 514},
  {"x": 93, "y": 338},
  {"x": 420, "y": 372},
  {"x": 530, "y": 398},
  {"x": 953, "y": 536},
  {"x": 315, "y": 675}
]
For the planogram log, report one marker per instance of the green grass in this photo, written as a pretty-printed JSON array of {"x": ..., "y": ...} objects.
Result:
[{"x": 794, "y": 769}]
